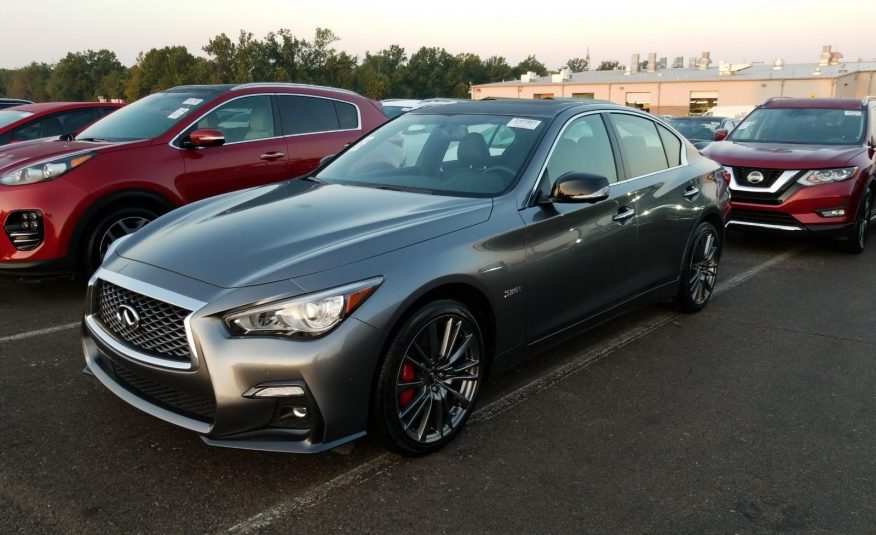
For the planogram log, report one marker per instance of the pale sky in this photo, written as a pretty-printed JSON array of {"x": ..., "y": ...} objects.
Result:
[{"x": 732, "y": 30}]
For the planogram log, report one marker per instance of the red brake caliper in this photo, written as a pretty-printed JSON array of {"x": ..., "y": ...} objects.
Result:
[{"x": 406, "y": 375}]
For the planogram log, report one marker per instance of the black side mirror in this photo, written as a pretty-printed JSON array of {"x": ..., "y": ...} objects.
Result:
[
  {"x": 580, "y": 187},
  {"x": 67, "y": 137}
]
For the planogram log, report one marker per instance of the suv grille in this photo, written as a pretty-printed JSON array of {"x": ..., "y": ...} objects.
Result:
[
  {"x": 769, "y": 176},
  {"x": 161, "y": 331},
  {"x": 771, "y": 218},
  {"x": 192, "y": 405}
]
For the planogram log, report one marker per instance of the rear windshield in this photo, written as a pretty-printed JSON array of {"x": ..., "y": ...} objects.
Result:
[
  {"x": 813, "y": 126},
  {"x": 147, "y": 118},
  {"x": 8, "y": 117}
]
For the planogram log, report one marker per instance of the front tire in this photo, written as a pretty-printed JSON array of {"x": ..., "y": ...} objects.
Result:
[
  {"x": 856, "y": 240},
  {"x": 699, "y": 269},
  {"x": 429, "y": 379},
  {"x": 109, "y": 228}
]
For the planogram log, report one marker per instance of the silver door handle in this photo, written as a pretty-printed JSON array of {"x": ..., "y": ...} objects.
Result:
[
  {"x": 270, "y": 156},
  {"x": 623, "y": 214},
  {"x": 691, "y": 192}
]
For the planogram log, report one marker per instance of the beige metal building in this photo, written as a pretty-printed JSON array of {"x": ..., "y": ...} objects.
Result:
[{"x": 693, "y": 90}]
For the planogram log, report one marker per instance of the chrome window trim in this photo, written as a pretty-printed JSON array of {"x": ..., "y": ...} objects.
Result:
[
  {"x": 175, "y": 138},
  {"x": 155, "y": 292},
  {"x": 785, "y": 177}
]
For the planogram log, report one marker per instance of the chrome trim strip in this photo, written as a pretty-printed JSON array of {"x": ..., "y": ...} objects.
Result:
[
  {"x": 96, "y": 330},
  {"x": 149, "y": 290},
  {"x": 129, "y": 397},
  {"x": 777, "y": 185},
  {"x": 192, "y": 123},
  {"x": 762, "y": 225}
]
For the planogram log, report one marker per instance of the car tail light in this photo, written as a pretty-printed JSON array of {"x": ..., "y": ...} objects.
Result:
[{"x": 25, "y": 229}]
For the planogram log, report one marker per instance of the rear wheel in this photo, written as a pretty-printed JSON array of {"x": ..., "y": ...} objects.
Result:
[
  {"x": 429, "y": 379},
  {"x": 700, "y": 269},
  {"x": 858, "y": 235},
  {"x": 109, "y": 228}
]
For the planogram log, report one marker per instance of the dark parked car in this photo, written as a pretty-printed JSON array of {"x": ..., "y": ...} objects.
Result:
[
  {"x": 804, "y": 165},
  {"x": 10, "y": 102},
  {"x": 700, "y": 130},
  {"x": 50, "y": 119},
  {"x": 376, "y": 294},
  {"x": 63, "y": 202}
]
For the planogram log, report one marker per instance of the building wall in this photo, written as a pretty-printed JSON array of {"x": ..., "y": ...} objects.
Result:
[{"x": 673, "y": 98}]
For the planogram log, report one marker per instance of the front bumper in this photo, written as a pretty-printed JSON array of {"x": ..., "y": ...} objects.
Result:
[{"x": 206, "y": 395}]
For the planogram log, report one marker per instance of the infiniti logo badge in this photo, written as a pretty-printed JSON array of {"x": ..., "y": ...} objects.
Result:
[
  {"x": 754, "y": 177},
  {"x": 128, "y": 317}
]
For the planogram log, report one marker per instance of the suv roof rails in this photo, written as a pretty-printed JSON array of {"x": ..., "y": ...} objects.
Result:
[{"x": 291, "y": 86}]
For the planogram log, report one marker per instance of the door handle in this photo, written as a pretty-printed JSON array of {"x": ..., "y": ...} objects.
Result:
[
  {"x": 271, "y": 156},
  {"x": 690, "y": 192},
  {"x": 623, "y": 214}
]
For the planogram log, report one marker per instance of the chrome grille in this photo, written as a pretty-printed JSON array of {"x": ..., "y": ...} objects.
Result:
[
  {"x": 161, "y": 331},
  {"x": 769, "y": 176}
]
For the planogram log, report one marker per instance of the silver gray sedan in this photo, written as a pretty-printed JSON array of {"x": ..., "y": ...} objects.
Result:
[{"x": 375, "y": 295}]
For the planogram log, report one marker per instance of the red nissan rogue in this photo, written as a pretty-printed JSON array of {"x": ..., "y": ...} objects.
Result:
[
  {"x": 804, "y": 165},
  {"x": 62, "y": 203}
]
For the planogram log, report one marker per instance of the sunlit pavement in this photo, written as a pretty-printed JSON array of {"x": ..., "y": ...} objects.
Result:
[{"x": 752, "y": 416}]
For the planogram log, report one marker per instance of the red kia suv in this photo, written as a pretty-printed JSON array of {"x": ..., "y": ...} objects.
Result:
[
  {"x": 62, "y": 203},
  {"x": 50, "y": 119},
  {"x": 801, "y": 164}
]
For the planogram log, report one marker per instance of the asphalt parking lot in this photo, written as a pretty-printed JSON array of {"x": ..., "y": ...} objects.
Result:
[{"x": 753, "y": 416}]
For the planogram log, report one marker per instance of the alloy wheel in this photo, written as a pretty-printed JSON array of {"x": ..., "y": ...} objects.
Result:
[
  {"x": 118, "y": 229},
  {"x": 703, "y": 267}
]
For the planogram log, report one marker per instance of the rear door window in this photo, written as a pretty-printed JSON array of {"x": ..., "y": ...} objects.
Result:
[
  {"x": 640, "y": 144},
  {"x": 308, "y": 115},
  {"x": 672, "y": 145}
]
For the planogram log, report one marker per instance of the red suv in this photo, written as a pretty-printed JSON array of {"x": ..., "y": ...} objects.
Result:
[
  {"x": 50, "y": 119},
  {"x": 62, "y": 203},
  {"x": 804, "y": 165}
]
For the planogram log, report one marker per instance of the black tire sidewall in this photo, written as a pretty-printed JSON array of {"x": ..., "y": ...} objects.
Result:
[
  {"x": 683, "y": 299},
  {"x": 90, "y": 255},
  {"x": 852, "y": 243},
  {"x": 385, "y": 425}
]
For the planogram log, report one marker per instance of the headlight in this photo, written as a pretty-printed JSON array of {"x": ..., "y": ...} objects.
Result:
[
  {"x": 305, "y": 316},
  {"x": 824, "y": 176},
  {"x": 45, "y": 170}
]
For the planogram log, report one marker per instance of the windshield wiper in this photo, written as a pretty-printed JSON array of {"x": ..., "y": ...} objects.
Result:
[{"x": 92, "y": 139}]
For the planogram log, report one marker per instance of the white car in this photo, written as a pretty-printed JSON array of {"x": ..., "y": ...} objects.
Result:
[{"x": 393, "y": 107}]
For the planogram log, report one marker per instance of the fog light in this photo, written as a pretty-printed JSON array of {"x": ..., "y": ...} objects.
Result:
[
  {"x": 300, "y": 412},
  {"x": 24, "y": 229},
  {"x": 833, "y": 212},
  {"x": 275, "y": 391}
]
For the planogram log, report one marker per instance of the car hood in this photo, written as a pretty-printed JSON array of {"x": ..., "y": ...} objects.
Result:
[
  {"x": 295, "y": 228},
  {"x": 780, "y": 155},
  {"x": 17, "y": 155}
]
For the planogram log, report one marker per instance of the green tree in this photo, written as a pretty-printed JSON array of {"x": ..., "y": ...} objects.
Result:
[
  {"x": 578, "y": 64},
  {"x": 496, "y": 69},
  {"x": 468, "y": 69},
  {"x": 223, "y": 53},
  {"x": 78, "y": 75},
  {"x": 609, "y": 65},
  {"x": 530, "y": 64},
  {"x": 161, "y": 68},
  {"x": 426, "y": 73},
  {"x": 30, "y": 82}
]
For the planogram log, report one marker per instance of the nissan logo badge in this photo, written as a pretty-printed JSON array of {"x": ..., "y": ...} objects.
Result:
[
  {"x": 128, "y": 317},
  {"x": 754, "y": 177}
]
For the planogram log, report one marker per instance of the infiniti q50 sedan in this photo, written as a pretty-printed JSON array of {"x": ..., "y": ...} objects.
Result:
[{"x": 375, "y": 294}]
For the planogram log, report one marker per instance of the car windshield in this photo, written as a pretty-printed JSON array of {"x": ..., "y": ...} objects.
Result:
[
  {"x": 696, "y": 128},
  {"x": 464, "y": 155},
  {"x": 816, "y": 126},
  {"x": 8, "y": 117},
  {"x": 147, "y": 118}
]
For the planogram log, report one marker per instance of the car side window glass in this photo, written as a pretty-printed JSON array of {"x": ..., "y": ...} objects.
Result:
[
  {"x": 46, "y": 127},
  {"x": 307, "y": 115},
  {"x": 75, "y": 120},
  {"x": 672, "y": 145},
  {"x": 242, "y": 119},
  {"x": 640, "y": 144},
  {"x": 583, "y": 147},
  {"x": 348, "y": 116}
]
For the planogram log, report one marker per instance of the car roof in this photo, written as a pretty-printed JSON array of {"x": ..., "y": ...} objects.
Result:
[
  {"x": 830, "y": 103},
  {"x": 546, "y": 108},
  {"x": 47, "y": 107},
  {"x": 697, "y": 118},
  {"x": 217, "y": 89}
]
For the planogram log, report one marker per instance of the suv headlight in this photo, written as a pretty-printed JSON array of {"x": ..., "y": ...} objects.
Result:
[
  {"x": 824, "y": 176},
  {"x": 45, "y": 170},
  {"x": 306, "y": 316}
]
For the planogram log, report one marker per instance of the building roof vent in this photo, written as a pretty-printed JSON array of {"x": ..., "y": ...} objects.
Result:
[
  {"x": 704, "y": 61},
  {"x": 778, "y": 64},
  {"x": 817, "y": 71},
  {"x": 528, "y": 77}
]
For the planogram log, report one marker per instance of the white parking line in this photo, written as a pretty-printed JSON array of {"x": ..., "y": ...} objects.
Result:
[
  {"x": 39, "y": 332},
  {"x": 384, "y": 462}
]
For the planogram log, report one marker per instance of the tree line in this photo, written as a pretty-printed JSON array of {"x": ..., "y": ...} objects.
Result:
[{"x": 279, "y": 57}]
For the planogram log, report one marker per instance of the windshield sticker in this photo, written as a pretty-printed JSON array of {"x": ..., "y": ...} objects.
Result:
[
  {"x": 853, "y": 113},
  {"x": 178, "y": 113},
  {"x": 529, "y": 124},
  {"x": 192, "y": 101}
]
